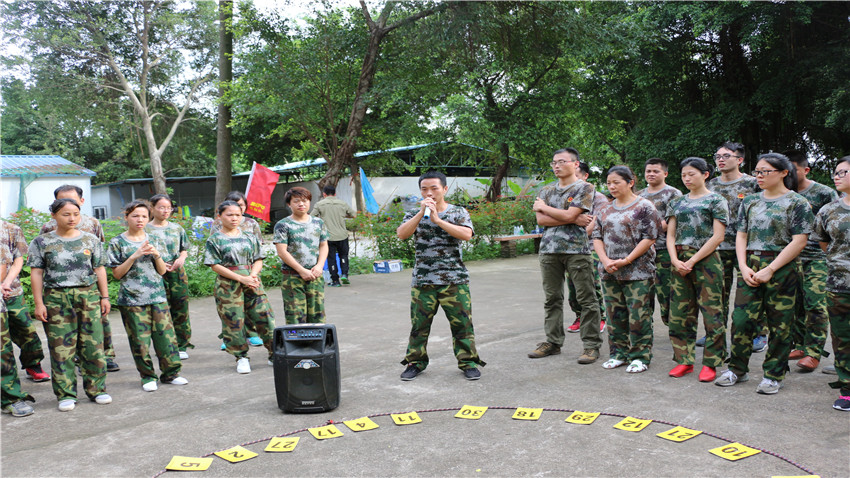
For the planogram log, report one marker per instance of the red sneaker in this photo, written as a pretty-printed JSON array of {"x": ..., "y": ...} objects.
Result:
[
  {"x": 36, "y": 374},
  {"x": 602, "y": 327},
  {"x": 681, "y": 370},
  {"x": 576, "y": 325},
  {"x": 707, "y": 374}
]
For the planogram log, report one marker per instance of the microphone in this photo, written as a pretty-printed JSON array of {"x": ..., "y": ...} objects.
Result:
[{"x": 427, "y": 213}]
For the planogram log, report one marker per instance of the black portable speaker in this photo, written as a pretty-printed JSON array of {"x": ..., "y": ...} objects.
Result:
[{"x": 306, "y": 368}]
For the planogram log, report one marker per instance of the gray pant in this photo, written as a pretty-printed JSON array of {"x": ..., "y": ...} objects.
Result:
[{"x": 579, "y": 267}]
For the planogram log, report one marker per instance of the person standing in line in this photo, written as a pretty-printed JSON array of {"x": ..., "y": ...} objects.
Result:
[
  {"x": 812, "y": 322},
  {"x": 440, "y": 278},
  {"x": 773, "y": 227},
  {"x": 235, "y": 256},
  {"x": 832, "y": 231},
  {"x": 734, "y": 186},
  {"x": 174, "y": 252},
  {"x": 71, "y": 296},
  {"x": 561, "y": 208},
  {"x": 135, "y": 260},
  {"x": 333, "y": 211},
  {"x": 13, "y": 400},
  {"x": 696, "y": 225},
  {"x": 92, "y": 226},
  {"x": 13, "y": 248},
  {"x": 302, "y": 244},
  {"x": 623, "y": 238},
  {"x": 659, "y": 193}
]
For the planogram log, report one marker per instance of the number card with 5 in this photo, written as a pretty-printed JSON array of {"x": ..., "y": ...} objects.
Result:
[{"x": 186, "y": 463}]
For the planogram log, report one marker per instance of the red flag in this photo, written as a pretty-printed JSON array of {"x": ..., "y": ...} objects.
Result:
[{"x": 261, "y": 183}]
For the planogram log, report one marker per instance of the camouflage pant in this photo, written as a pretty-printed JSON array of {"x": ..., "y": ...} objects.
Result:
[
  {"x": 571, "y": 290},
  {"x": 839, "y": 322},
  {"x": 457, "y": 305},
  {"x": 730, "y": 269},
  {"x": 10, "y": 385},
  {"x": 303, "y": 301},
  {"x": 177, "y": 295},
  {"x": 22, "y": 332},
  {"x": 663, "y": 281},
  {"x": 148, "y": 323},
  {"x": 74, "y": 326},
  {"x": 238, "y": 305},
  {"x": 629, "y": 305},
  {"x": 812, "y": 322},
  {"x": 775, "y": 300},
  {"x": 554, "y": 268},
  {"x": 699, "y": 291}
]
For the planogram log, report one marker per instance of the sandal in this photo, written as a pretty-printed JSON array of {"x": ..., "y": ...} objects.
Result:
[
  {"x": 636, "y": 367},
  {"x": 613, "y": 363}
]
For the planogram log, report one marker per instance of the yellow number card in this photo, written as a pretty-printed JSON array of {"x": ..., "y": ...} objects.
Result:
[
  {"x": 185, "y": 463},
  {"x": 735, "y": 451},
  {"x": 405, "y": 418},
  {"x": 325, "y": 432},
  {"x": 361, "y": 424},
  {"x": 471, "y": 413},
  {"x": 527, "y": 414},
  {"x": 678, "y": 434},
  {"x": 236, "y": 454},
  {"x": 631, "y": 424},
  {"x": 582, "y": 418},
  {"x": 282, "y": 444}
]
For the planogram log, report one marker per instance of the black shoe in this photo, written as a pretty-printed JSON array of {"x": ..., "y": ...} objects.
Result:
[
  {"x": 336, "y": 284},
  {"x": 472, "y": 374},
  {"x": 410, "y": 373},
  {"x": 111, "y": 366}
]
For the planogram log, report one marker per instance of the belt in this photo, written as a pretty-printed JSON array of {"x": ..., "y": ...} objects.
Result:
[
  {"x": 238, "y": 268},
  {"x": 80, "y": 287},
  {"x": 686, "y": 248},
  {"x": 764, "y": 253},
  {"x": 291, "y": 272}
]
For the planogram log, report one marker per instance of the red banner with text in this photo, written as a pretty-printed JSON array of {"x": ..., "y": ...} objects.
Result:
[{"x": 261, "y": 183}]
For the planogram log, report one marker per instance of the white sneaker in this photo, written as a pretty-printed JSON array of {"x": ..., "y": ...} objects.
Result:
[
  {"x": 179, "y": 381},
  {"x": 103, "y": 399},
  {"x": 243, "y": 365},
  {"x": 149, "y": 386},
  {"x": 271, "y": 363},
  {"x": 613, "y": 363},
  {"x": 183, "y": 355},
  {"x": 67, "y": 405}
]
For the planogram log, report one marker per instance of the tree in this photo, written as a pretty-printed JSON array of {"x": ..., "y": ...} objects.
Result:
[
  {"x": 224, "y": 166},
  {"x": 151, "y": 52}
]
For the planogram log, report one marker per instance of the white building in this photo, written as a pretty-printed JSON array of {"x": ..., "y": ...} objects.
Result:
[{"x": 38, "y": 176}]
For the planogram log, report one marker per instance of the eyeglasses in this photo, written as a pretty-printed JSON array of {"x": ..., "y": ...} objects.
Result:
[
  {"x": 764, "y": 172},
  {"x": 718, "y": 157},
  {"x": 562, "y": 162},
  {"x": 164, "y": 208},
  {"x": 840, "y": 173}
]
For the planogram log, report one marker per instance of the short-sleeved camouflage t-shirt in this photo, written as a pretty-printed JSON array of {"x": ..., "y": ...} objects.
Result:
[
  {"x": 173, "y": 239},
  {"x": 734, "y": 193},
  {"x": 621, "y": 228},
  {"x": 568, "y": 238},
  {"x": 87, "y": 224},
  {"x": 438, "y": 254},
  {"x": 242, "y": 250},
  {"x": 818, "y": 196},
  {"x": 302, "y": 239},
  {"x": 248, "y": 225},
  {"x": 13, "y": 245},
  {"x": 660, "y": 199},
  {"x": 600, "y": 202},
  {"x": 832, "y": 225},
  {"x": 66, "y": 262},
  {"x": 695, "y": 218},
  {"x": 771, "y": 223},
  {"x": 142, "y": 284}
]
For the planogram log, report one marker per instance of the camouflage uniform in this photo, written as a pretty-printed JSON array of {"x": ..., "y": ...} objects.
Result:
[
  {"x": 734, "y": 192},
  {"x": 628, "y": 291},
  {"x": 663, "y": 268},
  {"x": 702, "y": 289},
  {"x": 770, "y": 225},
  {"x": 440, "y": 279},
  {"x": 248, "y": 226},
  {"x": 175, "y": 241},
  {"x": 144, "y": 310},
  {"x": 74, "y": 324},
  {"x": 238, "y": 304},
  {"x": 10, "y": 385},
  {"x": 812, "y": 322},
  {"x": 600, "y": 203},
  {"x": 564, "y": 252},
  {"x": 22, "y": 330},
  {"x": 303, "y": 301},
  {"x": 833, "y": 227}
]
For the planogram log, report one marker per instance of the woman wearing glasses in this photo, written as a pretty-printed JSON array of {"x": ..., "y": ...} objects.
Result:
[
  {"x": 773, "y": 227},
  {"x": 832, "y": 230}
]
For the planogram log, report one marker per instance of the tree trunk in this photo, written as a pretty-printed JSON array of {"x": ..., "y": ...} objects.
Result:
[
  {"x": 360, "y": 202},
  {"x": 224, "y": 165},
  {"x": 501, "y": 173}
]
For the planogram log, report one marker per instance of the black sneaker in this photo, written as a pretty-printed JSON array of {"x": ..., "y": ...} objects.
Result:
[
  {"x": 410, "y": 373},
  {"x": 111, "y": 366},
  {"x": 336, "y": 284},
  {"x": 843, "y": 404},
  {"x": 471, "y": 374}
]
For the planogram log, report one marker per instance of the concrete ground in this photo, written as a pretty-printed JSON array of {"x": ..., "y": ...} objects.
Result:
[{"x": 138, "y": 434}]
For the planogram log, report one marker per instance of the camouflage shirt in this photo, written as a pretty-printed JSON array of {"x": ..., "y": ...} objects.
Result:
[
  {"x": 832, "y": 225},
  {"x": 660, "y": 199},
  {"x": 302, "y": 239},
  {"x": 172, "y": 238},
  {"x": 600, "y": 203},
  {"x": 770, "y": 223},
  {"x": 142, "y": 284},
  {"x": 247, "y": 225},
  {"x": 734, "y": 192},
  {"x": 568, "y": 238},
  {"x": 13, "y": 245},
  {"x": 695, "y": 218},
  {"x": 818, "y": 196},
  {"x": 242, "y": 250},
  {"x": 66, "y": 262},
  {"x": 438, "y": 255},
  {"x": 621, "y": 228},
  {"x": 87, "y": 224}
]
